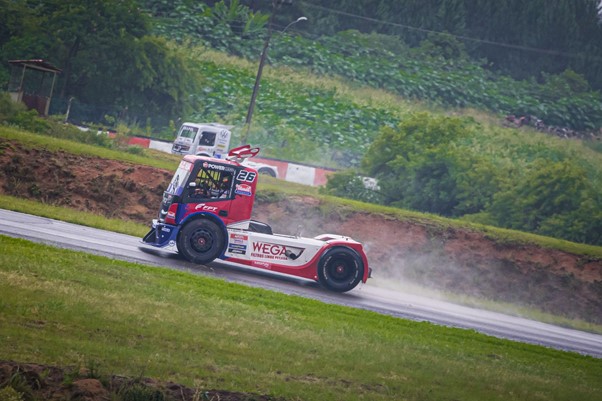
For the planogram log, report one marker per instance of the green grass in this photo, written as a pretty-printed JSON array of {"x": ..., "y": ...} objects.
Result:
[
  {"x": 72, "y": 216},
  {"x": 151, "y": 157},
  {"x": 63, "y": 307}
]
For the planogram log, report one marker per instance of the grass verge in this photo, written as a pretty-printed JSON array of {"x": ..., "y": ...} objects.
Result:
[
  {"x": 151, "y": 157},
  {"x": 63, "y": 307},
  {"x": 72, "y": 216}
]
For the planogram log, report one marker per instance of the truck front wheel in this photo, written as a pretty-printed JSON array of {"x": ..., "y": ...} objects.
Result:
[
  {"x": 340, "y": 269},
  {"x": 201, "y": 241}
]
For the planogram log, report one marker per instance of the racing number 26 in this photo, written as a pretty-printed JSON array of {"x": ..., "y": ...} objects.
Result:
[{"x": 248, "y": 176}]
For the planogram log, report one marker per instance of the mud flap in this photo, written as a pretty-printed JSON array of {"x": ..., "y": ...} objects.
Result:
[{"x": 151, "y": 237}]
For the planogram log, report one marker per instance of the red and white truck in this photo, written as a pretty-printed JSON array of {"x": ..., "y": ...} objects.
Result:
[{"x": 206, "y": 214}]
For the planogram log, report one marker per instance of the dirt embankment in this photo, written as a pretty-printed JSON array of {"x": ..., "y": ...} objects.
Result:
[
  {"x": 42, "y": 382},
  {"x": 461, "y": 261}
]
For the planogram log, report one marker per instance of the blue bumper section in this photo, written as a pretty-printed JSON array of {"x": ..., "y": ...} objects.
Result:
[{"x": 161, "y": 235}]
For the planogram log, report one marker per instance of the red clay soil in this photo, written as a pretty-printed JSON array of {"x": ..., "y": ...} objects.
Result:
[{"x": 454, "y": 260}]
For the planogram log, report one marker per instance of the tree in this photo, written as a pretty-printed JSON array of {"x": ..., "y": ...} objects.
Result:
[
  {"x": 419, "y": 165},
  {"x": 86, "y": 27},
  {"x": 552, "y": 199},
  {"x": 108, "y": 59}
]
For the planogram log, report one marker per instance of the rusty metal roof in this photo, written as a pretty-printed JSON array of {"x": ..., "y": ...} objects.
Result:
[{"x": 36, "y": 64}]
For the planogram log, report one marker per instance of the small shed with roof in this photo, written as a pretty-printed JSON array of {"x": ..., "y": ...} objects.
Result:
[{"x": 32, "y": 82}]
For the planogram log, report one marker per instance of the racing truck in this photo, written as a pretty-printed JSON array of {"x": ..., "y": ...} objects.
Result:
[
  {"x": 211, "y": 139},
  {"x": 206, "y": 214}
]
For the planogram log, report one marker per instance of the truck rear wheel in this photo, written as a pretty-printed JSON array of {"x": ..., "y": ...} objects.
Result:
[
  {"x": 201, "y": 241},
  {"x": 340, "y": 269}
]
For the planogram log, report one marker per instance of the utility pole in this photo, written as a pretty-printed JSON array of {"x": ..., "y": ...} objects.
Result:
[{"x": 264, "y": 53}]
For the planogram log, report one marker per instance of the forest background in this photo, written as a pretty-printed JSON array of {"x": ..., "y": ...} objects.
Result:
[{"x": 413, "y": 93}]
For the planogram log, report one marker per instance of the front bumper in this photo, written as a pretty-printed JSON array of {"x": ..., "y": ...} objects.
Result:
[{"x": 161, "y": 235}]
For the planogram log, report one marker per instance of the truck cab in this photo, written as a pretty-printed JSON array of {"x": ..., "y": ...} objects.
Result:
[
  {"x": 212, "y": 140},
  {"x": 221, "y": 191}
]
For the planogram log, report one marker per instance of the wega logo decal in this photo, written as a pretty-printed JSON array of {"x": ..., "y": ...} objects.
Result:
[
  {"x": 243, "y": 189},
  {"x": 263, "y": 250},
  {"x": 205, "y": 208}
]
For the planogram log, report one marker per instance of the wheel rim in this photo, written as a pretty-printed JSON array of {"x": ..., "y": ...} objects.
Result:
[
  {"x": 340, "y": 269},
  {"x": 201, "y": 241}
]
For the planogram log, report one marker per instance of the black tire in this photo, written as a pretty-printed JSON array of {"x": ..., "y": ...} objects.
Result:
[
  {"x": 340, "y": 269},
  {"x": 267, "y": 171},
  {"x": 201, "y": 241}
]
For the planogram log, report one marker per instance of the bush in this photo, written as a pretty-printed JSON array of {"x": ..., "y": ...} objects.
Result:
[
  {"x": 9, "y": 108},
  {"x": 349, "y": 184},
  {"x": 139, "y": 392},
  {"x": 10, "y": 394}
]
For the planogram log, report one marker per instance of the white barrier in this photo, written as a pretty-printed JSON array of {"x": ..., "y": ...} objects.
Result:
[{"x": 159, "y": 145}]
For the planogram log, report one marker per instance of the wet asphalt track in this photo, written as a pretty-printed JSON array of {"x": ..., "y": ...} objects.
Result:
[{"x": 407, "y": 306}]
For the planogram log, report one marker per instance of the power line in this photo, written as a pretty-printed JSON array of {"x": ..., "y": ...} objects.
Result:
[{"x": 462, "y": 37}]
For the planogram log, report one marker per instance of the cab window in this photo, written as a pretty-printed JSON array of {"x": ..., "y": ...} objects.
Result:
[
  {"x": 207, "y": 138},
  {"x": 211, "y": 184}
]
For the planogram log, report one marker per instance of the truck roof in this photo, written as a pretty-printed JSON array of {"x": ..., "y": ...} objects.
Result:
[
  {"x": 193, "y": 158},
  {"x": 209, "y": 125}
]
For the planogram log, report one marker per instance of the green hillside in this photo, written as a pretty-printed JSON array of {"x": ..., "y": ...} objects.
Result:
[{"x": 424, "y": 117}]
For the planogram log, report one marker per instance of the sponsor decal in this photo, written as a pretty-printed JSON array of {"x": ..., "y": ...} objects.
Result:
[
  {"x": 239, "y": 238},
  {"x": 171, "y": 215},
  {"x": 263, "y": 265},
  {"x": 219, "y": 167},
  {"x": 206, "y": 208},
  {"x": 238, "y": 244},
  {"x": 264, "y": 250},
  {"x": 243, "y": 189},
  {"x": 237, "y": 249},
  {"x": 166, "y": 229},
  {"x": 184, "y": 165}
]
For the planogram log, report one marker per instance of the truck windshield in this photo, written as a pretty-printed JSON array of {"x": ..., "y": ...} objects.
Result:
[
  {"x": 188, "y": 132},
  {"x": 180, "y": 178}
]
